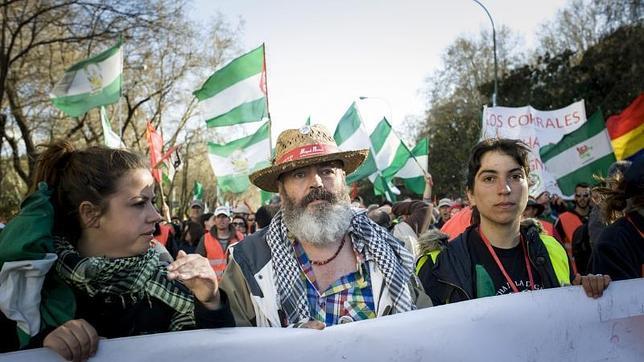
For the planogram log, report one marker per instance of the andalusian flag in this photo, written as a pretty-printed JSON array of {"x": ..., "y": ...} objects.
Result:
[
  {"x": 234, "y": 161},
  {"x": 112, "y": 140},
  {"x": 350, "y": 135},
  {"x": 91, "y": 83},
  {"x": 388, "y": 157},
  {"x": 415, "y": 168},
  {"x": 236, "y": 93},
  {"x": 197, "y": 191},
  {"x": 581, "y": 154}
]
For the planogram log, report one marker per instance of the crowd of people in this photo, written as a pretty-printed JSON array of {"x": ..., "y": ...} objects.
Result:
[{"x": 313, "y": 258}]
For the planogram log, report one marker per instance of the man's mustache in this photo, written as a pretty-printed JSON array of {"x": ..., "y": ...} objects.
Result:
[{"x": 318, "y": 194}]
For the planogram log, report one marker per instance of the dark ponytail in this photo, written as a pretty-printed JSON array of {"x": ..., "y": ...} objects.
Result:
[{"x": 76, "y": 176}]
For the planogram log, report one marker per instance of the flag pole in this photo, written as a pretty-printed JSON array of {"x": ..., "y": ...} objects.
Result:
[{"x": 268, "y": 110}]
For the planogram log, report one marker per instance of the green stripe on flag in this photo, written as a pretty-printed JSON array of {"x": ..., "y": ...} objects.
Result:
[
  {"x": 348, "y": 125},
  {"x": 237, "y": 70},
  {"x": 365, "y": 170},
  {"x": 244, "y": 113},
  {"x": 379, "y": 135},
  {"x": 593, "y": 126},
  {"x": 225, "y": 150},
  {"x": 79, "y": 104},
  {"x": 585, "y": 174}
]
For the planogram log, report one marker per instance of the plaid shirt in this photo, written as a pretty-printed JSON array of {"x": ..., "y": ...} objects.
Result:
[{"x": 350, "y": 298}]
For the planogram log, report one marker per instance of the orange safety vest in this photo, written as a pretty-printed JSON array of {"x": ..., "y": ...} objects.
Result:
[
  {"x": 216, "y": 255},
  {"x": 166, "y": 230},
  {"x": 548, "y": 227},
  {"x": 570, "y": 222}
]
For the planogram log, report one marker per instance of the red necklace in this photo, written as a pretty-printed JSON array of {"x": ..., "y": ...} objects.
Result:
[
  {"x": 327, "y": 261},
  {"x": 514, "y": 287}
]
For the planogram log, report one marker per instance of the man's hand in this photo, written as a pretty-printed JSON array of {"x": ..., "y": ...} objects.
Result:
[
  {"x": 76, "y": 340},
  {"x": 594, "y": 285},
  {"x": 196, "y": 273},
  {"x": 313, "y": 324}
]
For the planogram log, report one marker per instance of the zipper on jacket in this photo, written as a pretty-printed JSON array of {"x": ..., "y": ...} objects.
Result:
[{"x": 457, "y": 287}]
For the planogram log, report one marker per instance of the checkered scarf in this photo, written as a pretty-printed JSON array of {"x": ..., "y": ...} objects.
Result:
[
  {"x": 375, "y": 243},
  {"x": 140, "y": 275}
]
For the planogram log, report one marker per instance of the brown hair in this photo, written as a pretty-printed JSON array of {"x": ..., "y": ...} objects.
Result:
[
  {"x": 75, "y": 176},
  {"x": 611, "y": 200},
  {"x": 514, "y": 148}
]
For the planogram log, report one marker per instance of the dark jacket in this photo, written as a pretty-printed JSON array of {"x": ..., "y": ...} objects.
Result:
[
  {"x": 452, "y": 279},
  {"x": 116, "y": 316},
  {"x": 620, "y": 249}
]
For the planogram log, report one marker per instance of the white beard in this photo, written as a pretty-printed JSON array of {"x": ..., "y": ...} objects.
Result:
[{"x": 321, "y": 224}]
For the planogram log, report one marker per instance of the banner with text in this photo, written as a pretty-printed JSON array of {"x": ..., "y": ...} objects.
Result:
[
  {"x": 560, "y": 324},
  {"x": 536, "y": 128}
]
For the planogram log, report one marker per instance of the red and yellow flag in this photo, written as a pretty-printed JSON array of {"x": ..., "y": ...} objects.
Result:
[{"x": 626, "y": 130}]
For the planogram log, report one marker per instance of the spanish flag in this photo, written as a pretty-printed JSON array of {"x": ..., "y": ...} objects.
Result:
[{"x": 626, "y": 130}]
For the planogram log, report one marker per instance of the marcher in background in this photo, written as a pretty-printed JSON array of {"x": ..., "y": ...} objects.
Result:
[
  {"x": 497, "y": 255},
  {"x": 380, "y": 217},
  {"x": 241, "y": 210},
  {"x": 188, "y": 240},
  {"x": 430, "y": 244},
  {"x": 109, "y": 280},
  {"x": 619, "y": 252},
  {"x": 264, "y": 215},
  {"x": 569, "y": 221},
  {"x": 215, "y": 243},
  {"x": 196, "y": 210},
  {"x": 251, "y": 225},
  {"x": 415, "y": 217},
  {"x": 534, "y": 210},
  {"x": 239, "y": 224},
  {"x": 444, "y": 208},
  {"x": 207, "y": 221},
  {"x": 596, "y": 222},
  {"x": 319, "y": 262}
]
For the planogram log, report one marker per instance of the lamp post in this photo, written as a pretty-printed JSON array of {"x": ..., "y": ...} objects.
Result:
[{"x": 494, "y": 44}]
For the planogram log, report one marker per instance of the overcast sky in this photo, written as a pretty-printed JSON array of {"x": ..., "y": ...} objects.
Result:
[{"x": 322, "y": 55}]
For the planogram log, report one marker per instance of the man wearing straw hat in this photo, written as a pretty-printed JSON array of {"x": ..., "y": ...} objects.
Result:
[{"x": 319, "y": 262}]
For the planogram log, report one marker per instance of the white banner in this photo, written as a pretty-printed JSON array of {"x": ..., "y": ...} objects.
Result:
[
  {"x": 560, "y": 324},
  {"x": 536, "y": 128}
]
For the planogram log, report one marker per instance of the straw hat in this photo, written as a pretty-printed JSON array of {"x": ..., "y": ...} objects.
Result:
[{"x": 303, "y": 147}]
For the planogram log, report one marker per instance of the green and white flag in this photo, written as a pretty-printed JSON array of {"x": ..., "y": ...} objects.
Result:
[
  {"x": 236, "y": 93},
  {"x": 234, "y": 161},
  {"x": 415, "y": 168},
  {"x": 197, "y": 191},
  {"x": 91, "y": 83},
  {"x": 388, "y": 156},
  {"x": 581, "y": 154},
  {"x": 112, "y": 140},
  {"x": 350, "y": 135}
]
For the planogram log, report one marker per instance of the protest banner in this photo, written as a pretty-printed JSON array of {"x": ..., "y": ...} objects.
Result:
[
  {"x": 560, "y": 324},
  {"x": 536, "y": 128}
]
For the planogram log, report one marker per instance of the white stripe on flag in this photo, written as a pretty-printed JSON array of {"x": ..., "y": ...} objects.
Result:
[
  {"x": 239, "y": 93},
  {"x": 240, "y": 162},
  {"x": 570, "y": 160},
  {"x": 77, "y": 82},
  {"x": 388, "y": 151},
  {"x": 412, "y": 169}
]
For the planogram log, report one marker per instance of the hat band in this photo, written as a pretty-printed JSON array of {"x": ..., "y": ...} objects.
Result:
[{"x": 307, "y": 151}]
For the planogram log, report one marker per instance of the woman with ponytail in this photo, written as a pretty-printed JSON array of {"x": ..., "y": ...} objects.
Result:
[
  {"x": 103, "y": 224},
  {"x": 619, "y": 251}
]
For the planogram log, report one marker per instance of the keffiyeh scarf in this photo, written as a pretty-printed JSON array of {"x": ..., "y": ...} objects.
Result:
[
  {"x": 138, "y": 275},
  {"x": 376, "y": 244}
]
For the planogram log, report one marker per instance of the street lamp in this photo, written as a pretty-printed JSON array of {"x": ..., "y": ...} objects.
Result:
[{"x": 494, "y": 43}]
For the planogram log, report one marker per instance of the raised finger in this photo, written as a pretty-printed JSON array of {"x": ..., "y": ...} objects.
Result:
[{"x": 181, "y": 261}]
